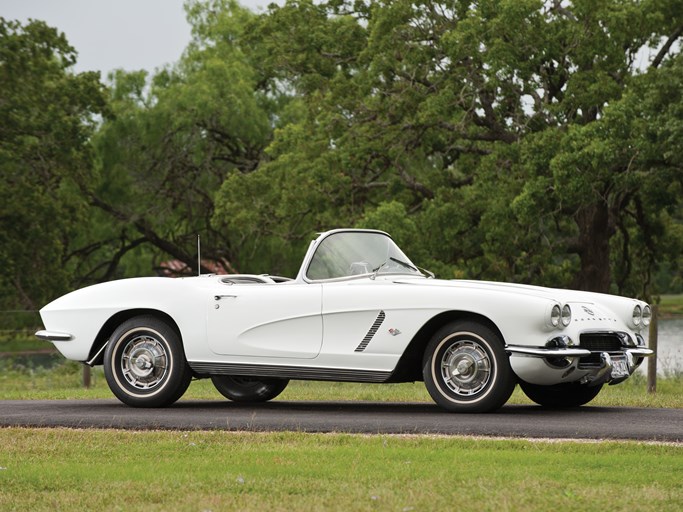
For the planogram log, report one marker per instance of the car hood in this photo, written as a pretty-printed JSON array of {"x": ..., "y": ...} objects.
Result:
[{"x": 557, "y": 294}]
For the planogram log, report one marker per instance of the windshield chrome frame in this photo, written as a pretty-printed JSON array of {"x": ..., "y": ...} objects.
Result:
[{"x": 313, "y": 247}]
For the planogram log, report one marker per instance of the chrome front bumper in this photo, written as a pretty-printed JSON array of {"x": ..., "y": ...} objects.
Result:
[
  {"x": 595, "y": 367},
  {"x": 53, "y": 336},
  {"x": 568, "y": 352}
]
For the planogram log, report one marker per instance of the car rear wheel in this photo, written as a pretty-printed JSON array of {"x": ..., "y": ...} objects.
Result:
[
  {"x": 144, "y": 363},
  {"x": 466, "y": 369},
  {"x": 560, "y": 396},
  {"x": 248, "y": 389}
]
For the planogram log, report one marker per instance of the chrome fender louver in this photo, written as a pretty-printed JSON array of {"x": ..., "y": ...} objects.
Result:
[{"x": 371, "y": 333}]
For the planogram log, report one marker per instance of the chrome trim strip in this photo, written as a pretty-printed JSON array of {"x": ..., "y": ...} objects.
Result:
[
  {"x": 640, "y": 352},
  {"x": 547, "y": 352},
  {"x": 91, "y": 361},
  {"x": 289, "y": 372},
  {"x": 54, "y": 336},
  {"x": 571, "y": 352}
]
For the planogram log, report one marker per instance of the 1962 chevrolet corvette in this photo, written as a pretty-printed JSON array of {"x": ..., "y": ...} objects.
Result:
[{"x": 358, "y": 311}]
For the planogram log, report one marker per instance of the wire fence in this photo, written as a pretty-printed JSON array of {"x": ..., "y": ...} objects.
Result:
[
  {"x": 18, "y": 341},
  {"x": 17, "y": 333}
]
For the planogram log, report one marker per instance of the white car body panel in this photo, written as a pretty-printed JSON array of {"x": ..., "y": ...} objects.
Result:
[
  {"x": 266, "y": 320},
  {"x": 349, "y": 328}
]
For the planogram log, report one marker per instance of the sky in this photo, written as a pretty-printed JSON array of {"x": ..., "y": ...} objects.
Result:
[
  {"x": 127, "y": 34},
  {"x": 112, "y": 34}
]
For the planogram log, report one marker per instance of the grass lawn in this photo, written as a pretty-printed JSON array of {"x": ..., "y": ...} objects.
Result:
[
  {"x": 64, "y": 381},
  {"x": 59, "y": 469},
  {"x": 62, "y": 469},
  {"x": 671, "y": 305},
  {"x": 70, "y": 469}
]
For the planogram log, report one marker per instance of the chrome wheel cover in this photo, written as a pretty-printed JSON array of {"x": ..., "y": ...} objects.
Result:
[
  {"x": 465, "y": 368},
  {"x": 144, "y": 361}
]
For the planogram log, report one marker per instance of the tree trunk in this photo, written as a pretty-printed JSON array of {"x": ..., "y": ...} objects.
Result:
[{"x": 593, "y": 248}]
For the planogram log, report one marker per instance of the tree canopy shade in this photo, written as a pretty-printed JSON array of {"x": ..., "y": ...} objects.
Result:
[
  {"x": 509, "y": 131},
  {"x": 47, "y": 117}
]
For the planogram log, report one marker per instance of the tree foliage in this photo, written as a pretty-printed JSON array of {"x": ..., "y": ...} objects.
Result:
[
  {"x": 174, "y": 139},
  {"x": 501, "y": 126},
  {"x": 48, "y": 116},
  {"x": 527, "y": 140}
]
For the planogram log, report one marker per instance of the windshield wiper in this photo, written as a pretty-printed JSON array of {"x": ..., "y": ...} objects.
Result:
[
  {"x": 416, "y": 268},
  {"x": 375, "y": 271},
  {"x": 404, "y": 264}
]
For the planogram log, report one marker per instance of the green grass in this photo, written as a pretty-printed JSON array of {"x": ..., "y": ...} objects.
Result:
[
  {"x": 22, "y": 341},
  {"x": 65, "y": 381},
  {"x": 61, "y": 469},
  {"x": 671, "y": 305},
  {"x": 58, "y": 469}
]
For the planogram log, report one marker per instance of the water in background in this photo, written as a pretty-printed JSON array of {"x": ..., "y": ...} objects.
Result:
[{"x": 669, "y": 347}]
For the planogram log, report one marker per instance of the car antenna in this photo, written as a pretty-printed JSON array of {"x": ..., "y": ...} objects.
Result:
[{"x": 199, "y": 255}]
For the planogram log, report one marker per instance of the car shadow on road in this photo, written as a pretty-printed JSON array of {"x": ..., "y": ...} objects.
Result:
[{"x": 379, "y": 407}]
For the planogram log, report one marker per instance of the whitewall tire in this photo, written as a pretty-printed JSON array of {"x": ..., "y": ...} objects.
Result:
[
  {"x": 144, "y": 363},
  {"x": 466, "y": 368}
]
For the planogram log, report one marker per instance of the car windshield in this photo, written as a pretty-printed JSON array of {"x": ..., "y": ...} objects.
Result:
[{"x": 349, "y": 253}]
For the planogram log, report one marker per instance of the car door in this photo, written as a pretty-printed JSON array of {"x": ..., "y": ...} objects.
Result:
[
  {"x": 368, "y": 322},
  {"x": 266, "y": 320}
]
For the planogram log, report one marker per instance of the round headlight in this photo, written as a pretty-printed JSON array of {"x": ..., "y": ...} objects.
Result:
[
  {"x": 647, "y": 315},
  {"x": 566, "y": 315},
  {"x": 555, "y": 315},
  {"x": 637, "y": 315}
]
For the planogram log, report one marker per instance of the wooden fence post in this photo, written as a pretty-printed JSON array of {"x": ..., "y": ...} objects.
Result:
[
  {"x": 86, "y": 376},
  {"x": 652, "y": 361}
]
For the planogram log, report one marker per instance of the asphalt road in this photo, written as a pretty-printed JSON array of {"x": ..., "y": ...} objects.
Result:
[{"x": 353, "y": 417}]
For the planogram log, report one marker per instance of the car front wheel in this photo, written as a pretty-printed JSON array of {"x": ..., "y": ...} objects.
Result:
[
  {"x": 560, "y": 396},
  {"x": 466, "y": 369},
  {"x": 144, "y": 363},
  {"x": 248, "y": 389}
]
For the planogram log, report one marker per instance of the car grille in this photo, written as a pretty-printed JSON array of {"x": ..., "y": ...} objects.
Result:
[{"x": 597, "y": 343}]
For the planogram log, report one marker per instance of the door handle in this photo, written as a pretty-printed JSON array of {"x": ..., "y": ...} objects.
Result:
[{"x": 219, "y": 297}]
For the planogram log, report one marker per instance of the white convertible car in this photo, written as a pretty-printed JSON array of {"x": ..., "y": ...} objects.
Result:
[{"x": 358, "y": 311}]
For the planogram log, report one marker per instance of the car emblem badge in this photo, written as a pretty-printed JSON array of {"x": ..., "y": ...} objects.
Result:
[
  {"x": 588, "y": 310},
  {"x": 394, "y": 332}
]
